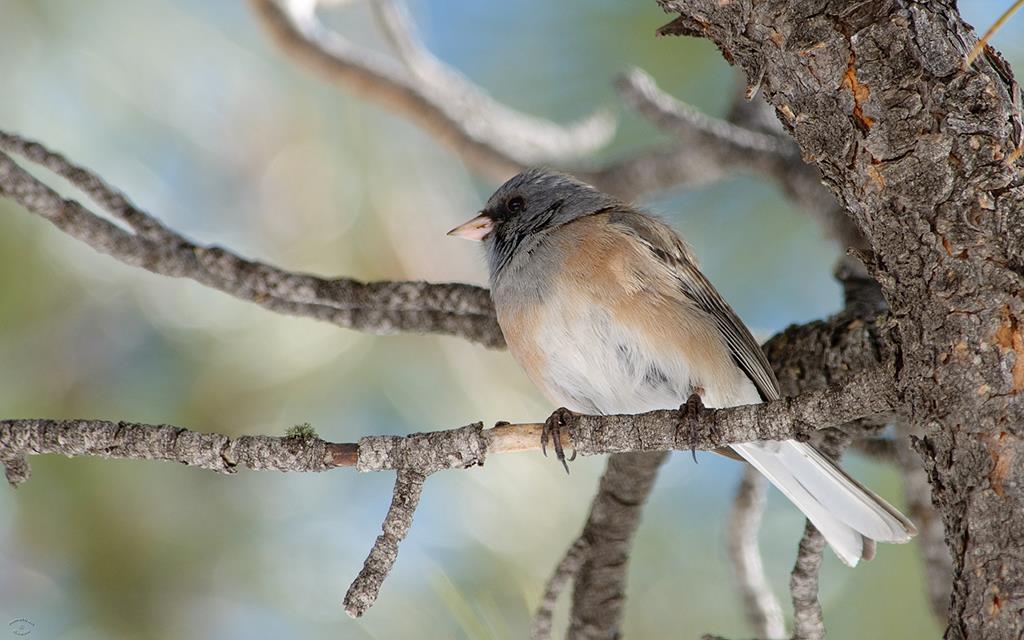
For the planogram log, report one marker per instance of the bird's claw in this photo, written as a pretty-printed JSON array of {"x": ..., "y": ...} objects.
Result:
[
  {"x": 553, "y": 429},
  {"x": 690, "y": 412}
]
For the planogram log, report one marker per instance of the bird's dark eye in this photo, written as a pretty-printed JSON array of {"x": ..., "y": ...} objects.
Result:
[{"x": 516, "y": 204}]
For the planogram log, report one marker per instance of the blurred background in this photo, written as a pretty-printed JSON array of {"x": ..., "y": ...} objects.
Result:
[{"x": 188, "y": 107}]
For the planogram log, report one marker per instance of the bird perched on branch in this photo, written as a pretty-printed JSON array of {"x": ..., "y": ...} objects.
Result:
[{"x": 606, "y": 310}]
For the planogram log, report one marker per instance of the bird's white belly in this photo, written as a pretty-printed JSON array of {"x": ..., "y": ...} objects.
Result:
[{"x": 595, "y": 365}]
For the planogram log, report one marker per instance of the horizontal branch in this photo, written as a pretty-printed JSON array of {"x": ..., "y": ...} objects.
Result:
[
  {"x": 467, "y": 446},
  {"x": 418, "y": 455}
]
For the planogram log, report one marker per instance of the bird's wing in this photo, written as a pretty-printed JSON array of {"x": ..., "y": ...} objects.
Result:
[{"x": 670, "y": 250}]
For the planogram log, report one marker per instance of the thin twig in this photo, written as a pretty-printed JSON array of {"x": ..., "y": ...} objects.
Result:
[
  {"x": 761, "y": 606},
  {"x": 366, "y": 587},
  {"x": 710, "y": 149},
  {"x": 560, "y": 578},
  {"x": 983, "y": 42},
  {"x": 639, "y": 90}
]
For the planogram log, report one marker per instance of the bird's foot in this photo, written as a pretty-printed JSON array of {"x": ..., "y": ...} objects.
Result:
[
  {"x": 690, "y": 413},
  {"x": 553, "y": 429}
]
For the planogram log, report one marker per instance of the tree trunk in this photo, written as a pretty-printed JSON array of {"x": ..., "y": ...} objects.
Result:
[{"x": 916, "y": 146}]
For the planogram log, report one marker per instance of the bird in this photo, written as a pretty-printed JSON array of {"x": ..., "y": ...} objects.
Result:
[{"x": 605, "y": 309}]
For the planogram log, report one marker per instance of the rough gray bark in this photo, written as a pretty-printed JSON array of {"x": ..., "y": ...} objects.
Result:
[
  {"x": 808, "y": 622},
  {"x": 914, "y": 144},
  {"x": 931, "y": 540},
  {"x": 607, "y": 536},
  {"x": 600, "y": 593},
  {"x": 427, "y": 453},
  {"x": 366, "y": 587}
]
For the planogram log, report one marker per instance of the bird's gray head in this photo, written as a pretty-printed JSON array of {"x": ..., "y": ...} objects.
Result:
[{"x": 524, "y": 209}]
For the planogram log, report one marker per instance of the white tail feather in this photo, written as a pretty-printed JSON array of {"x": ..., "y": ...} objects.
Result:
[{"x": 848, "y": 515}]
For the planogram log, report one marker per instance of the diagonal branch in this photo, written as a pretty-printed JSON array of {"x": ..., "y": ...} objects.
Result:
[
  {"x": 717, "y": 147},
  {"x": 566, "y": 571},
  {"x": 366, "y": 587},
  {"x": 492, "y": 138},
  {"x": 599, "y": 596},
  {"x": 381, "y": 307},
  {"x": 761, "y": 606},
  {"x": 637, "y": 87}
]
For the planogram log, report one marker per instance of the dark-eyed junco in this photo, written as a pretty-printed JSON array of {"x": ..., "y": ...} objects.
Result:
[{"x": 606, "y": 310}]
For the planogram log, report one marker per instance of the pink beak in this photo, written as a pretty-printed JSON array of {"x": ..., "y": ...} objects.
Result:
[{"x": 476, "y": 229}]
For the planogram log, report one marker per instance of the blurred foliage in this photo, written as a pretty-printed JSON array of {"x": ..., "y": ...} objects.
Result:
[{"x": 188, "y": 108}]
